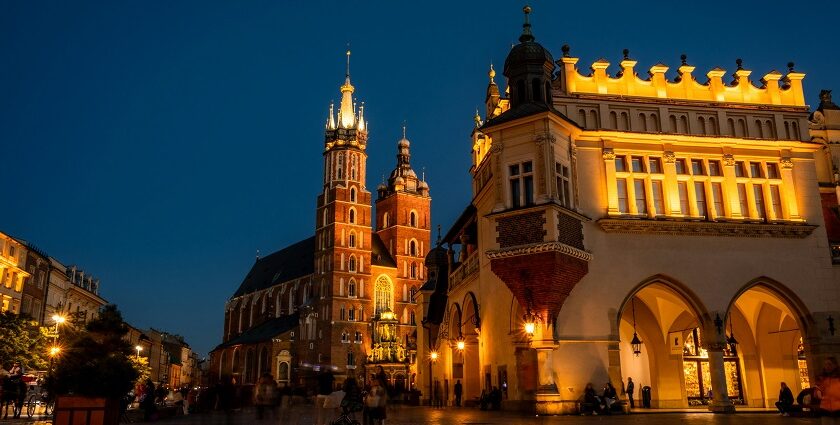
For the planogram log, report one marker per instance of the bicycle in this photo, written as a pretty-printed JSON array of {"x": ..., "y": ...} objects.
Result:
[{"x": 35, "y": 399}]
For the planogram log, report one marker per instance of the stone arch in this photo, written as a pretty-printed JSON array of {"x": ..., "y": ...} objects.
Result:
[
  {"x": 455, "y": 313},
  {"x": 471, "y": 309},
  {"x": 680, "y": 288},
  {"x": 803, "y": 315}
]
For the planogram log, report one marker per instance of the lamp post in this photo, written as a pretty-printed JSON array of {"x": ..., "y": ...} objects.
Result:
[
  {"x": 433, "y": 356},
  {"x": 139, "y": 349},
  {"x": 636, "y": 343}
]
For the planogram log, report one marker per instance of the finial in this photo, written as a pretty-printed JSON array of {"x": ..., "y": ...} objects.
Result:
[
  {"x": 423, "y": 173},
  {"x": 348, "y": 60},
  {"x": 492, "y": 73},
  {"x": 403, "y": 129},
  {"x": 740, "y": 63},
  {"x": 477, "y": 119},
  {"x": 626, "y": 53},
  {"x": 258, "y": 255},
  {"x": 438, "y": 239},
  {"x": 566, "y": 49},
  {"x": 683, "y": 58},
  {"x": 526, "y": 27},
  {"x": 790, "y": 67}
]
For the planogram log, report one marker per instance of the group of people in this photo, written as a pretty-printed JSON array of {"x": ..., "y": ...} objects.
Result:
[
  {"x": 371, "y": 400},
  {"x": 824, "y": 398},
  {"x": 603, "y": 404}
]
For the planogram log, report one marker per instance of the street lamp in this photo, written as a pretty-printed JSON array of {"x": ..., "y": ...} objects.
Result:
[
  {"x": 139, "y": 349},
  {"x": 530, "y": 323},
  {"x": 461, "y": 344},
  {"x": 58, "y": 319},
  {"x": 434, "y": 356}
]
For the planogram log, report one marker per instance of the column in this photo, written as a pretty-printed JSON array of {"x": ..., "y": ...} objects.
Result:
[
  {"x": 715, "y": 346},
  {"x": 612, "y": 192},
  {"x": 789, "y": 201}
]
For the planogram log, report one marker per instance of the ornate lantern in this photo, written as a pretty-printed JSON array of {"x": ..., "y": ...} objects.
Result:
[{"x": 636, "y": 343}]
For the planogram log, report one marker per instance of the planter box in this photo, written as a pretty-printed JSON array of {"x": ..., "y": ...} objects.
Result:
[{"x": 79, "y": 410}]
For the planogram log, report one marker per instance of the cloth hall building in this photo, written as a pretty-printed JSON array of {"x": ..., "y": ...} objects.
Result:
[
  {"x": 625, "y": 223},
  {"x": 341, "y": 300}
]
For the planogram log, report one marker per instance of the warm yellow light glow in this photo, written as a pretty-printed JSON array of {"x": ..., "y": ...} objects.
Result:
[
  {"x": 54, "y": 350},
  {"x": 530, "y": 328},
  {"x": 138, "y": 348},
  {"x": 461, "y": 345},
  {"x": 58, "y": 319},
  {"x": 433, "y": 355}
]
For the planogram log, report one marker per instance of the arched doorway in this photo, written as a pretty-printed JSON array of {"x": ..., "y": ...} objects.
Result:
[
  {"x": 471, "y": 380},
  {"x": 767, "y": 325},
  {"x": 669, "y": 321}
]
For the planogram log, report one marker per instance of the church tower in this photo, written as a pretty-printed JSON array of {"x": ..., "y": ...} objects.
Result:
[
  {"x": 342, "y": 232},
  {"x": 403, "y": 221}
]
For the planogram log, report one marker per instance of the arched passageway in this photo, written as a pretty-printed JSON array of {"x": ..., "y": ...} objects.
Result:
[
  {"x": 669, "y": 321},
  {"x": 765, "y": 326}
]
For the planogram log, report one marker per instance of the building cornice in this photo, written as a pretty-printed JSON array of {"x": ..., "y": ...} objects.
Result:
[
  {"x": 538, "y": 248},
  {"x": 706, "y": 228}
]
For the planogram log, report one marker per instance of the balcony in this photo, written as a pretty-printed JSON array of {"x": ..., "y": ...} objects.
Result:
[{"x": 464, "y": 271}]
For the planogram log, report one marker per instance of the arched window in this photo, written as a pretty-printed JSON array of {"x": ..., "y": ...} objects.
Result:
[
  {"x": 412, "y": 248},
  {"x": 384, "y": 294},
  {"x": 352, "y": 194},
  {"x": 412, "y": 318},
  {"x": 412, "y": 219},
  {"x": 384, "y": 220},
  {"x": 339, "y": 169},
  {"x": 352, "y": 263},
  {"x": 582, "y": 114},
  {"x": 283, "y": 371},
  {"x": 352, "y": 239},
  {"x": 351, "y": 288},
  {"x": 352, "y": 215},
  {"x": 324, "y": 220},
  {"x": 414, "y": 270},
  {"x": 643, "y": 122},
  {"x": 353, "y": 163}
]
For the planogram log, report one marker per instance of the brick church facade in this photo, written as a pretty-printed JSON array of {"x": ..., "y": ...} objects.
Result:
[{"x": 341, "y": 300}]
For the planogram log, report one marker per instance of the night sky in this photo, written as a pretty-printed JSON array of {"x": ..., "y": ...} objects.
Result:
[{"x": 160, "y": 144}]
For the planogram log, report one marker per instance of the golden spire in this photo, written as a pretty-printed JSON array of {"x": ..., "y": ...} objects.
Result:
[
  {"x": 492, "y": 74},
  {"x": 345, "y": 111},
  {"x": 362, "y": 124},
  {"x": 331, "y": 119}
]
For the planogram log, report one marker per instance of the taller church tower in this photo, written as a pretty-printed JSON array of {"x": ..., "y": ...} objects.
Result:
[{"x": 342, "y": 231}]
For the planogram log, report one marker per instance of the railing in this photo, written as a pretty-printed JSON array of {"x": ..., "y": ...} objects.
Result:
[
  {"x": 835, "y": 252},
  {"x": 464, "y": 271}
]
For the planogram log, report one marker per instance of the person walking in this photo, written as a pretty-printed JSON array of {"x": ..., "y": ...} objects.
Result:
[
  {"x": 226, "y": 397},
  {"x": 265, "y": 396},
  {"x": 325, "y": 388},
  {"x": 828, "y": 392},
  {"x": 376, "y": 403},
  {"x": 147, "y": 400},
  {"x": 785, "y": 400},
  {"x": 459, "y": 389},
  {"x": 629, "y": 390}
]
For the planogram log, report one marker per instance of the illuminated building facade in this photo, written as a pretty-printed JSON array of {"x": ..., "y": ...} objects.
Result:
[
  {"x": 13, "y": 273},
  {"x": 322, "y": 302},
  {"x": 696, "y": 218}
]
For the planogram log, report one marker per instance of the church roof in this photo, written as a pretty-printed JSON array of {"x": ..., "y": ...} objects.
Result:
[
  {"x": 294, "y": 261},
  {"x": 379, "y": 252},
  {"x": 264, "y": 331},
  {"x": 522, "y": 111}
]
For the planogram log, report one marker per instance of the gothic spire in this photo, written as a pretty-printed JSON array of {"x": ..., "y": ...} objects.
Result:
[{"x": 346, "y": 115}]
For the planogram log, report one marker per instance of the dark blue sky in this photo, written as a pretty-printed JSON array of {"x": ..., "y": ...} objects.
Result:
[{"x": 158, "y": 145}]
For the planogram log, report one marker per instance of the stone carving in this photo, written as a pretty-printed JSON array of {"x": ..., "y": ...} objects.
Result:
[
  {"x": 609, "y": 154},
  {"x": 728, "y": 160},
  {"x": 669, "y": 157},
  {"x": 786, "y": 163},
  {"x": 693, "y": 228}
]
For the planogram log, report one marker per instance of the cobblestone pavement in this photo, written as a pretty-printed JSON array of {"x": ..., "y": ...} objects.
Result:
[{"x": 453, "y": 416}]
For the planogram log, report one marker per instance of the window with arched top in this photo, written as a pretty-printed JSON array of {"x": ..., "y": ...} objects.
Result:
[
  {"x": 414, "y": 270},
  {"x": 412, "y": 219},
  {"x": 351, "y": 265},
  {"x": 351, "y": 288},
  {"x": 352, "y": 215},
  {"x": 352, "y": 240},
  {"x": 412, "y": 248},
  {"x": 352, "y": 194},
  {"x": 384, "y": 294}
]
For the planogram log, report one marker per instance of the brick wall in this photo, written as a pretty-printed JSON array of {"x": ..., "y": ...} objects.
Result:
[
  {"x": 521, "y": 229},
  {"x": 570, "y": 231}
]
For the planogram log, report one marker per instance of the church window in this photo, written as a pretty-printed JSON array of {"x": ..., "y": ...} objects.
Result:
[
  {"x": 352, "y": 194},
  {"x": 414, "y": 270},
  {"x": 412, "y": 318},
  {"x": 352, "y": 239},
  {"x": 351, "y": 361},
  {"x": 358, "y": 337},
  {"x": 339, "y": 169},
  {"x": 352, "y": 216},
  {"x": 412, "y": 219},
  {"x": 341, "y": 314},
  {"x": 412, "y": 248},
  {"x": 324, "y": 220},
  {"x": 353, "y": 166},
  {"x": 384, "y": 294},
  {"x": 564, "y": 193},
  {"x": 351, "y": 314},
  {"x": 351, "y": 288},
  {"x": 352, "y": 264},
  {"x": 521, "y": 184}
]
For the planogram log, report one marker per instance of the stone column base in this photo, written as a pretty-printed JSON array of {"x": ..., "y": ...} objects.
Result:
[{"x": 722, "y": 408}]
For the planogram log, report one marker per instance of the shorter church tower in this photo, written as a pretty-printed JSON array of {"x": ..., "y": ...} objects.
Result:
[{"x": 403, "y": 221}]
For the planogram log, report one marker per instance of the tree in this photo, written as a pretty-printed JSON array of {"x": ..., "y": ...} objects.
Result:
[
  {"x": 23, "y": 340},
  {"x": 97, "y": 363},
  {"x": 141, "y": 365}
]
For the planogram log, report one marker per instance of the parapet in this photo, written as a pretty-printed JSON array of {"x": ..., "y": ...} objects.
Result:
[{"x": 776, "y": 89}]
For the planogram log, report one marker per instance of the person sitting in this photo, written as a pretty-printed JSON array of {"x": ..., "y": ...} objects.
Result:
[
  {"x": 591, "y": 403},
  {"x": 785, "y": 400},
  {"x": 610, "y": 396}
]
